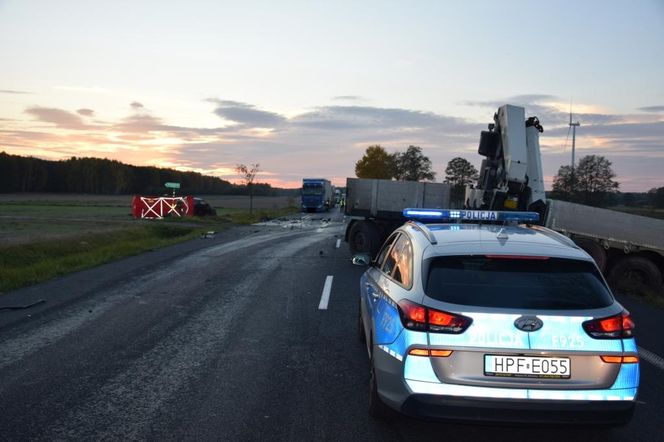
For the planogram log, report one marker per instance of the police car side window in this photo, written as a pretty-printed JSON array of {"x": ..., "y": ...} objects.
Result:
[
  {"x": 383, "y": 260},
  {"x": 389, "y": 265},
  {"x": 402, "y": 257}
]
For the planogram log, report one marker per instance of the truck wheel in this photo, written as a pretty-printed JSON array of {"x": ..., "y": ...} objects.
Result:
[
  {"x": 635, "y": 272},
  {"x": 595, "y": 250},
  {"x": 363, "y": 238}
]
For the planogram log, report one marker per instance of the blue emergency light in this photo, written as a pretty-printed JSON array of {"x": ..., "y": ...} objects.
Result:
[{"x": 470, "y": 215}]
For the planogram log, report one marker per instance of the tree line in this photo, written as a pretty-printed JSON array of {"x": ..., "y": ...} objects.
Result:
[
  {"x": 413, "y": 165},
  {"x": 590, "y": 181},
  {"x": 410, "y": 165},
  {"x": 108, "y": 177}
]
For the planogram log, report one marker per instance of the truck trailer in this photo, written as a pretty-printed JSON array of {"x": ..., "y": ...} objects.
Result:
[{"x": 375, "y": 208}]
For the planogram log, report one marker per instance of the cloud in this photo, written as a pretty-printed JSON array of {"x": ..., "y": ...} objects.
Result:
[
  {"x": 140, "y": 123},
  {"x": 145, "y": 123},
  {"x": 339, "y": 117},
  {"x": 539, "y": 105},
  {"x": 20, "y": 137},
  {"x": 84, "y": 89},
  {"x": 328, "y": 140},
  {"x": 61, "y": 118},
  {"x": 85, "y": 112},
  {"x": 348, "y": 98},
  {"x": 619, "y": 130},
  {"x": 7, "y": 91},
  {"x": 361, "y": 119},
  {"x": 136, "y": 105},
  {"x": 518, "y": 100},
  {"x": 548, "y": 109},
  {"x": 247, "y": 114},
  {"x": 652, "y": 109}
]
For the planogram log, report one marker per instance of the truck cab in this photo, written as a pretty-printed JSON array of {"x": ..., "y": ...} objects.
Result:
[{"x": 316, "y": 195}]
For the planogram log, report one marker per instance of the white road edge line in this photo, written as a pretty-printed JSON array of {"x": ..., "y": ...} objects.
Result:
[
  {"x": 338, "y": 243},
  {"x": 325, "y": 297},
  {"x": 651, "y": 357}
]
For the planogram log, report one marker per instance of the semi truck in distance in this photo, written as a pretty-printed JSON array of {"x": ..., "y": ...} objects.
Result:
[
  {"x": 317, "y": 195},
  {"x": 626, "y": 248}
]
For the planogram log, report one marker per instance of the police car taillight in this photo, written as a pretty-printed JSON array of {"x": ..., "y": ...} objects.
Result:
[
  {"x": 417, "y": 317},
  {"x": 614, "y": 327}
]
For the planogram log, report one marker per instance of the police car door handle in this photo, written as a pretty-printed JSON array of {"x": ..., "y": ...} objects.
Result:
[{"x": 371, "y": 291}]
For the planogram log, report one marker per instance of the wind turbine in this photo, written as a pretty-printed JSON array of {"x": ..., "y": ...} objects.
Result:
[{"x": 573, "y": 126}]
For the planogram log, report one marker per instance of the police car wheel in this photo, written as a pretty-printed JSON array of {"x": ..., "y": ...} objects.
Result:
[
  {"x": 377, "y": 408},
  {"x": 360, "y": 326}
]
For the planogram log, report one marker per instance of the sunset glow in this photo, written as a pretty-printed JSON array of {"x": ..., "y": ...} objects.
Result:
[{"x": 303, "y": 88}]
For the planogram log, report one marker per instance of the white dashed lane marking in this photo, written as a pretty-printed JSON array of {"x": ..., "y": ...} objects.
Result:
[
  {"x": 338, "y": 244},
  {"x": 325, "y": 297},
  {"x": 651, "y": 357}
]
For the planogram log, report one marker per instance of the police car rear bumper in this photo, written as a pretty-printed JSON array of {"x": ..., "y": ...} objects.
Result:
[{"x": 505, "y": 411}]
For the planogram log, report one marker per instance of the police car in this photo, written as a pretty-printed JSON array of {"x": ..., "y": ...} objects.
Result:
[{"x": 482, "y": 315}]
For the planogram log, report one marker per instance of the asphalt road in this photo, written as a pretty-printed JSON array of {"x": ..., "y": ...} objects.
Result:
[{"x": 225, "y": 339}]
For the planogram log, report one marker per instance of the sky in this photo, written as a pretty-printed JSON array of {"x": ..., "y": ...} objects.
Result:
[{"x": 304, "y": 87}]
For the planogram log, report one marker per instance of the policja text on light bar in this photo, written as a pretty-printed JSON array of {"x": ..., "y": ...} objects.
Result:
[{"x": 470, "y": 215}]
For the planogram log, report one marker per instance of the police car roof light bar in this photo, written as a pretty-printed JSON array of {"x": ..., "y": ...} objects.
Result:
[{"x": 470, "y": 215}]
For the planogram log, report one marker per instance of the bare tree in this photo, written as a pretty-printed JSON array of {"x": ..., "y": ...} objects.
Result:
[{"x": 248, "y": 174}]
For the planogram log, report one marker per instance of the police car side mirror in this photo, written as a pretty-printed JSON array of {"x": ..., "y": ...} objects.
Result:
[{"x": 361, "y": 259}]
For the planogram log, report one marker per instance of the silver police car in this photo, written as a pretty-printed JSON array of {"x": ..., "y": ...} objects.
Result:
[{"x": 483, "y": 316}]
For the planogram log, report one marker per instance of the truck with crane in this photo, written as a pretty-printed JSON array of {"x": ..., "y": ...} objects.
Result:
[{"x": 625, "y": 247}]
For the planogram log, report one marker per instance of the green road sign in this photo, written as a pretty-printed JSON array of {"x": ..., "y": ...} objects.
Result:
[{"x": 172, "y": 185}]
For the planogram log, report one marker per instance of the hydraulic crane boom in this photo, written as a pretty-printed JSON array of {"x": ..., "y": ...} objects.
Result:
[{"x": 511, "y": 173}]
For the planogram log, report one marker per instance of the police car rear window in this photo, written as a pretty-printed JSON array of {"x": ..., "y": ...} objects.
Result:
[{"x": 552, "y": 283}]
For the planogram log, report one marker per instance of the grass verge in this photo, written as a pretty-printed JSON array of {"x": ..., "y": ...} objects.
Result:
[
  {"x": 37, "y": 261},
  {"x": 26, "y": 264},
  {"x": 649, "y": 212},
  {"x": 641, "y": 292}
]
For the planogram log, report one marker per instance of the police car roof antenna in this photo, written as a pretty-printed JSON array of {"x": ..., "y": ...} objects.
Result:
[{"x": 425, "y": 231}]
